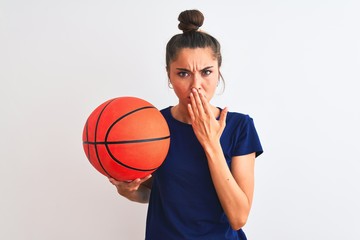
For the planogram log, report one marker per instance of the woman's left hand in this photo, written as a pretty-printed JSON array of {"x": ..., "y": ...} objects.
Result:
[{"x": 205, "y": 125}]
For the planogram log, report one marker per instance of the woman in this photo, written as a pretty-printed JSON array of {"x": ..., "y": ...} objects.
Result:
[{"x": 204, "y": 188}]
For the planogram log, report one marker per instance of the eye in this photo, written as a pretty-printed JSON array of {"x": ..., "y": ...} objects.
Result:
[
  {"x": 206, "y": 72},
  {"x": 183, "y": 74}
]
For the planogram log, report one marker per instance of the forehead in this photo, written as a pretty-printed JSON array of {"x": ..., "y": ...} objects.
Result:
[{"x": 198, "y": 56}]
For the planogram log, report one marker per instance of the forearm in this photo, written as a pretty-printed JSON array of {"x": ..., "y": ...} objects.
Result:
[{"x": 233, "y": 199}]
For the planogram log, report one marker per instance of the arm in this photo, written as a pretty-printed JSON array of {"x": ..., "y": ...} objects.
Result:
[
  {"x": 137, "y": 190},
  {"x": 234, "y": 187}
]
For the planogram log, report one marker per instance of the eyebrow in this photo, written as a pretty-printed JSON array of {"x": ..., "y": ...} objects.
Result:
[{"x": 187, "y": 70}]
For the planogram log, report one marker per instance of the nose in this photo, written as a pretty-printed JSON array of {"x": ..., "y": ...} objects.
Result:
[{"x": 196, "y": 82}]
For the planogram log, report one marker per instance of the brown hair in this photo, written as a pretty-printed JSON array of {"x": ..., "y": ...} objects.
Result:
[{"x": 190, "y": 22}]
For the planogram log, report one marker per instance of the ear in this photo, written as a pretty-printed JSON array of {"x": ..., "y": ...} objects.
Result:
[{"x": 167, "y": 71}]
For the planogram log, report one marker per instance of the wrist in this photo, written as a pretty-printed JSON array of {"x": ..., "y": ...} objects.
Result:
[{"x": 212, "y": 148}]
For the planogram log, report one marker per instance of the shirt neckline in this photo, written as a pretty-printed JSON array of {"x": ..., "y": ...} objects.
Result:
[{"x": 183, "y": 123}]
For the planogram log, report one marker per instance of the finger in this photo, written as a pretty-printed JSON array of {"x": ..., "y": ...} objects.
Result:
[
  {"x": 191, "y": 113},
  {"x": 194, "y": 107},
  {"x": 134, "y": 185},
  {"x": 145, "y": 178},
  {"x": 135, "y": 182},
  {"x": 138, "y": 181},
  {"x": 223, "y": 115},
  {"x": 205, "y": 104},
  {"x": 198, "y": 102},
  {"x": 113, "y": 181}
]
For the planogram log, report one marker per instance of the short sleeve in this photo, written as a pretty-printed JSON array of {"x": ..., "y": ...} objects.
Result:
[{"x": 246, "y": 138}]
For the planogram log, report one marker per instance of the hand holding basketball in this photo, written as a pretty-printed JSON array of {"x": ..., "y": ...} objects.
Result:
[
  {"x": 127, "y": 187},
  {"x": 133, "y": 190}
]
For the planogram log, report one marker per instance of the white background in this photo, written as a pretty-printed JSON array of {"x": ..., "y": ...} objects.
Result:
[{"x": 292, "y": 65}]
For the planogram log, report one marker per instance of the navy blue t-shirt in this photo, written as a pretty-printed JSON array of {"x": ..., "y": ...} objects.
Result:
[{"x": 183, "y": 202}]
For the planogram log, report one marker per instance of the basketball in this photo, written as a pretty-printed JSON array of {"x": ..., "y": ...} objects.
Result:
[{"x": 126, "y": 138}]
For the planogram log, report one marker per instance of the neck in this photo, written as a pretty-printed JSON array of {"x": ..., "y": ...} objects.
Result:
[{"x": 181, "y": 114}]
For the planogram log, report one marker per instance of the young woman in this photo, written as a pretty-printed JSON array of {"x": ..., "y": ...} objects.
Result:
[{"x": 204, "y": 189}]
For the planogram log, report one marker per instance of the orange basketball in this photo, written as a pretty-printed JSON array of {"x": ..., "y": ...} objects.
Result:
[{"x": 126, "y": 138}]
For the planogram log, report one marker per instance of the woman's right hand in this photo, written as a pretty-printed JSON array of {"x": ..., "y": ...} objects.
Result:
[{"x": 133, "y": 190}]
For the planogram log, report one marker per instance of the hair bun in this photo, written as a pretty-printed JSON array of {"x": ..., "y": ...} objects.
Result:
[{"x": 190, "y": 20}]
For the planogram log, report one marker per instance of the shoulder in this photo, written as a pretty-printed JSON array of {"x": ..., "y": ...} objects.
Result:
[
  {"x": 240, "y": 124},
  {"x": 166, "y": 111},
  {"x": 238, "y": 119},
  {"x": 240, "y": 128}
]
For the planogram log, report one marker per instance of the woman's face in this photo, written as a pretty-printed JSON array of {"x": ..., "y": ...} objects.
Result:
[{"x": 194, "y": 68}]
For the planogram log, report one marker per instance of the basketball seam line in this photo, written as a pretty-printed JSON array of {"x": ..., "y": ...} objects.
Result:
[
  {"x": 95, "y": 136},
  {"x": 108, "y": 132},
  {"x": 127, "y": 141}
]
